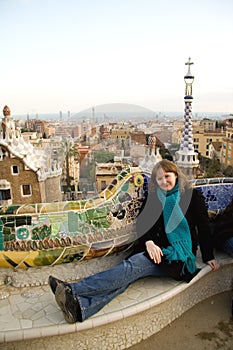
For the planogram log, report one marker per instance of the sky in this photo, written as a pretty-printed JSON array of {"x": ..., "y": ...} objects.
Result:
[{"x": 70, "y": 55}]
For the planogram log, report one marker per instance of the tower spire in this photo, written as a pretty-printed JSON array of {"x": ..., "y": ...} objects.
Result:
[
  {"x": 186, "y": 157},
  {"x": 93, "y": 117}
]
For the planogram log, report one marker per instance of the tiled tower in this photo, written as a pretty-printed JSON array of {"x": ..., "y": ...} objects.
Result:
[{"x": 186, "y": 157}]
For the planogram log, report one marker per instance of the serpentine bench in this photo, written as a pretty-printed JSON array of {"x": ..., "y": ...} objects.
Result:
[{"x": 30, "y": 318}]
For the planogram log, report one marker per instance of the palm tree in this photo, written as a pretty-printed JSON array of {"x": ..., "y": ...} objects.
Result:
[{"x": 71, "y": 156}]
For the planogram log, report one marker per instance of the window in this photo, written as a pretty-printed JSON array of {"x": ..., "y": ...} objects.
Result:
[
  {"x": 5, "y": 194},
  {"x": 3, "y": 154},
  {"x": 26, "y": 190},
  {"x": 38, "y": 128},
  {"x": 103, "y": 184},
  {"x": 15, "y": 169}
]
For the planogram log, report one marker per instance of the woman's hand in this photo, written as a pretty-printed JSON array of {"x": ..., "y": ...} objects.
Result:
[
  {"x": 155, "y": 253},
  {"x": 213, "y": 264}
]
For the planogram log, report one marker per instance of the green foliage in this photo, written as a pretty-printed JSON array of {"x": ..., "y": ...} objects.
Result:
[
  {"x": 166, "y": 154},
  {"x": 89, "y": 172},
  {"x": 228, "y": 171},
  {"x": 104, "y": 157},
  {"x": 26, "y": 130},
  {"x": 213, "y": 167},
  {"x": 71, "y": 153}
]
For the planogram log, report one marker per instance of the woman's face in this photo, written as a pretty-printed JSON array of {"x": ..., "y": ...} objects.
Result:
[{"x": 165, "y": 180}]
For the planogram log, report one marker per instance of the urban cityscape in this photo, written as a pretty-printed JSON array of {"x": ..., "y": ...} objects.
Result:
[{"x": 83, "y": 153}]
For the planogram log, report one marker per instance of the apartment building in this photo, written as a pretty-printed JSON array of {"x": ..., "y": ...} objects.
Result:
[
  {"x": 204, "y": 141},
  {"x": 226, "y": 155}
]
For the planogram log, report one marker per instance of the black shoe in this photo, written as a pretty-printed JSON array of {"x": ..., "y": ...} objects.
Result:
[
  {"x": 53, "y": 282},
  {"x": 189, "y": 276},
  {"x": 68, "y": 304}
]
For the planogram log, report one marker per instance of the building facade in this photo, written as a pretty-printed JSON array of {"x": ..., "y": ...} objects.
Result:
[
  {"x": 27, "y": 174},
  {"x": 202, "y": 140},
  {"x": 105, "y": 173},
  {"x": 226, "y": 157}
]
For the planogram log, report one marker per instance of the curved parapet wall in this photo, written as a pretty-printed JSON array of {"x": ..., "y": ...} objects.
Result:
[
  {"x": 218, "y": 192},
  {"x": 54, "y": 233},
  {"x": 61, "y": 232}
]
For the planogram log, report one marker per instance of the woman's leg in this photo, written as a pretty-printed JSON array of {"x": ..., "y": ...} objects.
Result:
[
  {"x": 227, "y": 246},
  {"x": 95, "y": 291}
]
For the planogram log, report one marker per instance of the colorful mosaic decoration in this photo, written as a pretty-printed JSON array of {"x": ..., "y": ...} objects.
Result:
[
  {"x": 218, "y": 192},
  {"x": 54, "y": 233}
]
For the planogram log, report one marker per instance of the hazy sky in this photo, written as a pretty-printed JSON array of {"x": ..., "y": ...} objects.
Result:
[{"x": 75, "y": 54}]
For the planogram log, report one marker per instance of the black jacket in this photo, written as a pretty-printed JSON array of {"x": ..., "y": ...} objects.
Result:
[
  {"x": 150, "y": 226},
  {"x": 223, "y": 226}
]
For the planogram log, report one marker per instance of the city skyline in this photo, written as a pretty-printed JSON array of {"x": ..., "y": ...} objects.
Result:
[{"x": 72, "y": 55}]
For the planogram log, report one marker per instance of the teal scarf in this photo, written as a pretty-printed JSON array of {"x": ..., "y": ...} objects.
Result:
[{"x": 177, "y": 229}]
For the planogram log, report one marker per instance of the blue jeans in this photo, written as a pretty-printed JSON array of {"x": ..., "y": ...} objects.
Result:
[
  {"x": 227, "y": 246},
  {"x": 95, "y": 291}
]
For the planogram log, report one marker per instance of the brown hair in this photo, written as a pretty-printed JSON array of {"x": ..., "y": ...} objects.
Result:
[{"x": 169, "y": 167}]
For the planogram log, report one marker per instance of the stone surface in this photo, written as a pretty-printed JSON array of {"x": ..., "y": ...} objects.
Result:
[{"x": 34, "y": 320}]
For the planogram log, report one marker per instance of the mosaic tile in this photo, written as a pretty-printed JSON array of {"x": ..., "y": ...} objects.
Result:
[{"x": 55, "y": 233}]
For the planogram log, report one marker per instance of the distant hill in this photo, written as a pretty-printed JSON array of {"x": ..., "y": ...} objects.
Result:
[{"x": 111, "y": 110}]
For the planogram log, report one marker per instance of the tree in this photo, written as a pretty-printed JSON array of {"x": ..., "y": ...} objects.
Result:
[
  {"x": 213, "y": 167},
  {"x": 166, "y": 154},
  {"x": 104, "y": 157},
  {"x": 71, "y": 154},
  {"x": 172, "y": 149},
  {"x": 228, "y": 171}
]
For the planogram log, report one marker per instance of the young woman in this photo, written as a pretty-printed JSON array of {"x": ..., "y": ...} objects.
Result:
[{"x": 172, "y": 223}]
